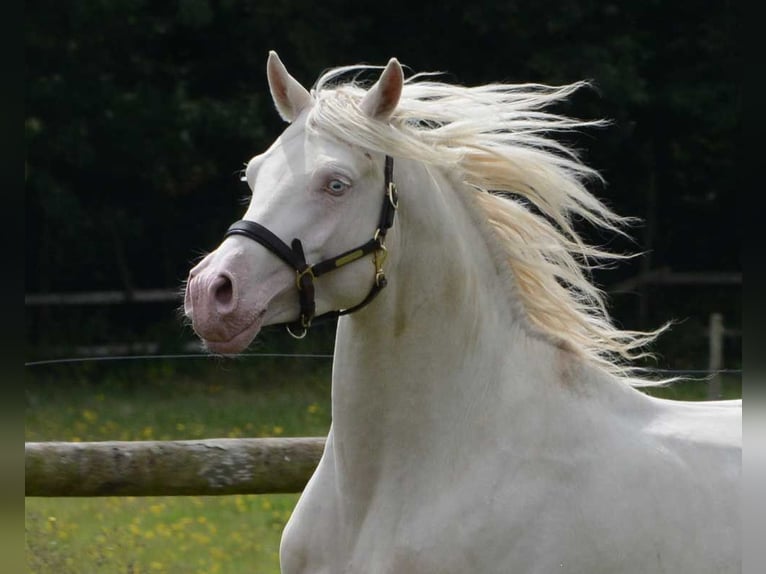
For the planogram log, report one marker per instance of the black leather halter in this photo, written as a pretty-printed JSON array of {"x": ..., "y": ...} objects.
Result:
[{"x": 305, "y": 273}]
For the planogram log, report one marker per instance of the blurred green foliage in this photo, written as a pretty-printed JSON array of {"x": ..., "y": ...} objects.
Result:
[{"x": 140, "y": 116}]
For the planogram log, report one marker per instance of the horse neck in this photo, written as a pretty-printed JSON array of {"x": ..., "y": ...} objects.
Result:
[{"x": 442, "y": 345}]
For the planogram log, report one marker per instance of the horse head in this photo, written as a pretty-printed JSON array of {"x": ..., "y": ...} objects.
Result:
[{"x": 315, "y": 192}]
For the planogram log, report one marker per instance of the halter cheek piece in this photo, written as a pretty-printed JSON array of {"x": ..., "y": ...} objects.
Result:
[{"x": 305, "y": 273}]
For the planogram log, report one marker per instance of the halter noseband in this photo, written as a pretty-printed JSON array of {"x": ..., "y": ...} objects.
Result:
[{"x": 305, "y": 273}]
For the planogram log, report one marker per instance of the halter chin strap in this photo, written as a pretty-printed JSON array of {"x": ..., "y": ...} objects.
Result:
[{"x": 305, "y": 274}]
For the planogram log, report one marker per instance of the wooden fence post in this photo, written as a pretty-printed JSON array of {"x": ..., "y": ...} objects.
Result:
[{"x": 715, "y": 360}]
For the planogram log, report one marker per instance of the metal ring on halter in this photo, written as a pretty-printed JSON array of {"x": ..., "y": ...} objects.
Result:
[
  {"x": 293, "y": 335},
  {"x": 393, "y": 197}
]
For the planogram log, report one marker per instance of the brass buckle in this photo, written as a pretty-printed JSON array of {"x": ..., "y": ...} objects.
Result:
[
  {"x": 380, "y": 279},
  {"x": 379, "y": 258},
  {"x": 299, "y": 275}
]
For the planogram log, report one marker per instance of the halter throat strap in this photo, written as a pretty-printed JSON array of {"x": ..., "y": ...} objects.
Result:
[{"x": 295, "y": 257}]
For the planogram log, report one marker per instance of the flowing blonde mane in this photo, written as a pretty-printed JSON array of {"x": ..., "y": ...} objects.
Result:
[{"x": 529, "y": 187}]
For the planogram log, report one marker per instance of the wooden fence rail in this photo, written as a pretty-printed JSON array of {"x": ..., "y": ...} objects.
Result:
[{"x": 171, "y": 468}]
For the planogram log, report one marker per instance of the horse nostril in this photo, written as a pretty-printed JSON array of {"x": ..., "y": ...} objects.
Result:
[{"x": 223, "y": 292}]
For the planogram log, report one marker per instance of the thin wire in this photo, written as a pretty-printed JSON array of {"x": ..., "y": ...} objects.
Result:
[
  {"x": 692, "y": 372},
  {"x": 158, "y": 357}
]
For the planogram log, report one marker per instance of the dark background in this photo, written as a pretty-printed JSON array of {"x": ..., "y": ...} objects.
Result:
[{"x": 139, "y": 116}]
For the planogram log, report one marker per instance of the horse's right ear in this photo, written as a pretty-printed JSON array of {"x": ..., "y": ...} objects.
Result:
[
  {"x": 382, "y": 98},
  {"x": 290, "y": 97}
]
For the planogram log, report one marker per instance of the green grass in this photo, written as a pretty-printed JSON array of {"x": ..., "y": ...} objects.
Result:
[
  {"x": 164, "y": 400},
  {"x": 218, "y": 400},
  {"x": 697, "y": 390},
  {"x": 227, "y": 534},
  {"x": 156, "y": 534}
]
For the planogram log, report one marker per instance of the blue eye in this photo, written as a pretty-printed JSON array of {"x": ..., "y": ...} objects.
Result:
[{"x": 336, "y": 187}]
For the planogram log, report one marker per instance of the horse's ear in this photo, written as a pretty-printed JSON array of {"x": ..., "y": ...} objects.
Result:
[
  {"x": 381, "y": 100},
  {"x": 290, "y": 97}
]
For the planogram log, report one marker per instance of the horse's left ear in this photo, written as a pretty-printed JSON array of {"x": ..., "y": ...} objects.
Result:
[
  {"x": 381, "y": 100},
  {"x": 290, "y": 97}
]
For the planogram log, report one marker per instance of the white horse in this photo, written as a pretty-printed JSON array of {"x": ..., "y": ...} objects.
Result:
[{"x": 484, "y": 418}]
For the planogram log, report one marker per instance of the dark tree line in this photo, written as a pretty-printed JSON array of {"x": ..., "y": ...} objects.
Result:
[{"x": 140, "y": 115}]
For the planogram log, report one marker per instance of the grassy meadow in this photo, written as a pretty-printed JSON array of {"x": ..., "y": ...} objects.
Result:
[
  {"x": 168, "y": 400},
  {"x": 159, "y": 400}
]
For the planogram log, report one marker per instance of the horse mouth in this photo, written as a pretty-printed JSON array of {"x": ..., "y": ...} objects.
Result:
[{"x": 238, "y": 342}]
